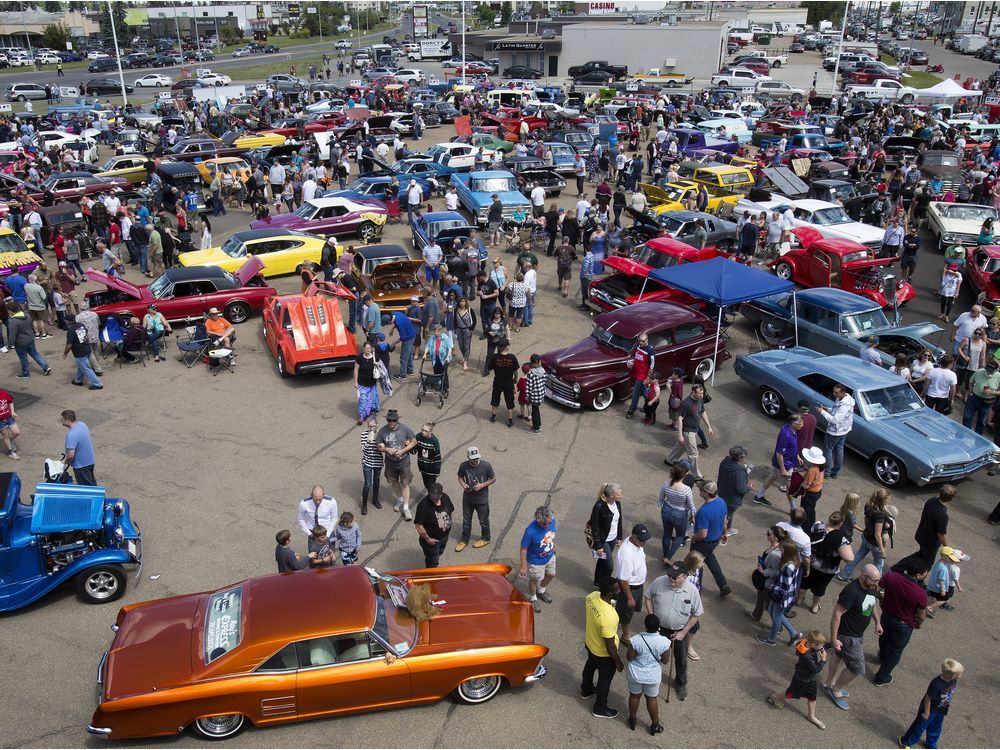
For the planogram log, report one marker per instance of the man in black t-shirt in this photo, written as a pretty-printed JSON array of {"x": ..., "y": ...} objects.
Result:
[
  {"x": 433, "y": 523},
  {"x": 475, "y": 475},
  {"x": 78, "y": 343},
  {"x": 932, "y": 531},
  {"x": 856, "y": 606},
  {"x": 505, "y": 367}
]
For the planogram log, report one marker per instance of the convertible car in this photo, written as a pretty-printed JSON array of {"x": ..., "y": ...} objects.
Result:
[
  {"x": 305, "y": 332},
  {"x": 185, "y": 293},
  {"x": 280, "y": 251},
  {"x": 331, "y": 216},
  {"x": 957, "y": 223},
  {"x": 893, "y": 429},
  {"x": 832, "y": 321},
  {"x": 312, "y": 644}
]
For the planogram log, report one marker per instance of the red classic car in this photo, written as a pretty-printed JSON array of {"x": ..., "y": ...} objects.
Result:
[
  {"x": 185, "y": 293},
  {"x": 843, "y": 264},
  {"x": 982, "y": 271},
  {"x": 317, "y": 125},
  {"x": 336, "y": 215},
  {"x": 75, "y": 185},
  {"x": 595, "y": 371},
  {"x": 314, "y": 644},
  {"x": 509, "y": 119},
  {"x": 306, "y": 332}
]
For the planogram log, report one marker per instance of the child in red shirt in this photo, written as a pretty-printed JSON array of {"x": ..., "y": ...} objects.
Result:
[{"x": 522, "y": 392}]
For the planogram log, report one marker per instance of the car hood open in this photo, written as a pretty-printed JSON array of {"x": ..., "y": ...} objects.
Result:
[
  {"x": 113, "y": 282},
  {"x": 249, "y": 269},
  {"x": 397, "y": 269}
]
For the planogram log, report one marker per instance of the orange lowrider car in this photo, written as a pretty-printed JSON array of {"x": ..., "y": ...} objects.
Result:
[
  {"x": 305, "y": 332},
  {"x": 313, "y": 643}
]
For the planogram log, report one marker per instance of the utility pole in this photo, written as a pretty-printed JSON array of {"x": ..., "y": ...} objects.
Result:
[
  {"x": 24, "y": 23},
  {"x": 463, "y": 43},
  {"x": 177, "y": 28},
  {"x": 118, "y": 54},
  {"x": 840, "y": 47}
]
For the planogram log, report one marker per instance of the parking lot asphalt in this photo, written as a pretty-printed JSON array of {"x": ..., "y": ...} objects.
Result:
[{"x": 214, "y": 465}]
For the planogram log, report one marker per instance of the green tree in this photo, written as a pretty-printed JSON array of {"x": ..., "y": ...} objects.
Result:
[
  {"x": 52, "y": 6},
  {"x": 486, "y": 14},
  {"x": 55, "y": 36},
  {"x": 118, "y": 12},
  {"x": 823, "y": 10},
  {"x": 505, "y": 13}
]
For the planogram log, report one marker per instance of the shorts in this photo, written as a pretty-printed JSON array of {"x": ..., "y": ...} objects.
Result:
[
  {"x": 432, "y": 274},
  {"x": 816, "y": 582},
  {"x": 508, "y": 394},
  {"x": 802, "y": 690},
  {"x": 540, "y": 570},
  {"x": 8, "y": 423},
  {"x": 782, "y": 479},
  {"x": 908, "y": 261},
  {"x": 649, "y": 689},
  {"x": 516, "y": 312},
  {"x": 625, "y": 612},
  {"x": 493, "y": 226},
  {"x": 932, "y": 594},
  {"x": 564, "y": 273},
  {"x": 402, "y": 473},
  {"x": 36, "y": 314},
  {"x": 852, "y": 654}
]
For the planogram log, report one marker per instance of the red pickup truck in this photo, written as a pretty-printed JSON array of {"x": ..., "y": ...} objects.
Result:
[{"x": 509, "y": 120}]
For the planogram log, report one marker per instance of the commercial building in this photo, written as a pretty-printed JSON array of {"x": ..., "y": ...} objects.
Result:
[{"x": 23, "y": 28}]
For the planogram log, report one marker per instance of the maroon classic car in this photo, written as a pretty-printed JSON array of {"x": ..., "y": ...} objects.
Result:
[
  {"x": 185, "y": 293},
  {"x": 74, "y": 185},
  {"x": 595, "y": 371}
]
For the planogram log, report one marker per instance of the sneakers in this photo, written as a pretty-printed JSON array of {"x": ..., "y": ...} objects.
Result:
[
  {"x": 493, "y": 418},
  {"x": 460, "y": 546},
  {"x": 397, "y": 507},
  {"x": 480, "y": 543},
  {"x": 19, "y": 375},
  {"x": 734, "y": 532},
  {"x": 47, "y": 371},
  {"x": 760, "y": 638},
  {"x": 545, "y": 596},
  {"x": 607, "y": 713},
  {"x": 724, "y": 592},
  {"x": 535, "y": 430},
  {"x": 406, "y": 514},
  {"x": 879, "y": 683},
  {"x": 535, "y": 605},
  {"x": 628, "y": 414},
  {"x": 4, "y": 350},
  {"x": 96, "y": 388},
  {"x": 510, "y": 423},
  {"x": 587, "y": 694},
  {"x": 761, "y": 501},
  {"x": 12, "y": 454}
]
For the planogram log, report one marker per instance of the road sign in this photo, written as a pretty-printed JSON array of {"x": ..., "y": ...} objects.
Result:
[
  {"x": 419, "y": 21},
  {"x": 294, "y": 10},
  {"x": 260, "y": 11}
]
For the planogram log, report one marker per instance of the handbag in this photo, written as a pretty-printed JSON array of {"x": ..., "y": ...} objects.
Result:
[
  {"x": 757, "y": 579},
  {"x": 776, "y": 594},
  {"x": 588, "y": 534}
]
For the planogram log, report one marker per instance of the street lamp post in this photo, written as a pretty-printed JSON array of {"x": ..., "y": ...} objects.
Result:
[
  {"x": 177, "y": 28},
  {"x": 24, "y": 23},
  {"x": 118, "y": 54},
  {"x": 463, "y": 44}
]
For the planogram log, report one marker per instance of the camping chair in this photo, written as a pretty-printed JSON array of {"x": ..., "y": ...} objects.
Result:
[
  {"x": 194, "y": 347},
  {"x": 111, "y": 336},
  {"x": 395, "y": 213},
  {"x": 133, "y": 342}
]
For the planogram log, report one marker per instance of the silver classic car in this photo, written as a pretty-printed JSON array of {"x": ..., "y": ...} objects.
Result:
[{"x": 893, "y": 429}]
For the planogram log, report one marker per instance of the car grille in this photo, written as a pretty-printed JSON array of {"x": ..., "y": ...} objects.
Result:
[
  {"x": 606, "y": 298},
  {"x": 562, "y": 392}
]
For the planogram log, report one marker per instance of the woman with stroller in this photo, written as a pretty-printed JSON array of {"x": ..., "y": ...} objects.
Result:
[
  {"x": 438, "y": 348},
  {"x": 366, "y": 382}
]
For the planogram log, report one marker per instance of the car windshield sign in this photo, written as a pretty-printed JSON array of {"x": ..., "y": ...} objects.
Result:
[
  {"x": 828, "y": 216},
  {"x": 234, "y": 247},
  {"x": 222, "y": 623},
  {"x": 886, "y": 402},
  {"x": 863, "y": 322},
  {"x": 606, "y": 337},
  {"x": 494, "y": 185}
]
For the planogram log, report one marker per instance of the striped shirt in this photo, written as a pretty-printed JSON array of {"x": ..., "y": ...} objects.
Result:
[
  {"x": 370, "y": 455},
  {"x": 678, "y": 499}
]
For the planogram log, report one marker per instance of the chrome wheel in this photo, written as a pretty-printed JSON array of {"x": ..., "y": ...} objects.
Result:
[
  {"x": 770, "y": 331},
  {"x": 219, "y": 727},
  {"x": 237, "y": 312},
  {"x": 888, "y": 470},
  {"x": 479, "y": 689},
  {"x": 101, "y": 584},
  {"x": 603, "y": 399},
  {"x": 783, "y": 271},
  {"x": 366, "y": 231},
  {"x": 771, "y": 403},
  {"x": 704, "y": 370}
]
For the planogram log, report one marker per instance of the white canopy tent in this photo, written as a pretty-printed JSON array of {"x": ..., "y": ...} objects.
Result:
[{"x": 947, "y": 89}]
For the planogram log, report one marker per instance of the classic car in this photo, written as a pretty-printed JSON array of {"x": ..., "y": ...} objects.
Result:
[
  {"x": 982, "y": 271},
  {"x": 944, "y": 165},
  {"x": 531, "y": 171},
  {"x": 371, "y": 189},
  {"x": 75, "y": 185},
  {"x": 833, "y": 321},
  {"x": 305, "y": 333},
  {"x": 900, "y": 148},
  {"x": 443, "y": 226},
  {"x": 485, "y": 140},
  {"x": 563, "y": 157},
  {"x": 581, "y": 141},
  {"x": 680, "y": 225},
  {"x": 388, "y": 274},
  {"x": 209, "y": 167},
  {"x": 420, "y": 170},
  {"x": 331, "y": 216},
  {"x": 594, "y": 372},
  {"x": 460, "y": 156},
  {"x": 131, "y": 167},
  {"x": 255, "y": 140},
  {"x": 184, "y": 293},
  {"x": 829, "y": 218},
  {"x": 893, "y": 429},
  {"x": 66, "y": 534},
  {"x": 84, "y": 146},
  {"x": 957, "y": 223},
  {"x": 201, "y": 147},
  {"x": 476, "y": 191},
  {"x": 672, "y": 195},
  {"x": 15, "y": 255},
  {"x": 68, "y": 216},
  {"x": 836, "y": 262},
  {"x": 280, "y": 251},
  {"x": 310, "y": 644}
]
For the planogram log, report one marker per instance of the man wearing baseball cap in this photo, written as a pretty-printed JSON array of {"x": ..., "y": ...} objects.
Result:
[
  {"x": 475, "y": 475},
  {"x": 676, "y": 600},
  {"x": 630, "y": 562}
]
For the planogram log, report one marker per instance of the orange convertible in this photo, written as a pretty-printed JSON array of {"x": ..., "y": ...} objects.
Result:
[
  {"x": 313, "y": 643},
  {"x": 306, "y": 332}
]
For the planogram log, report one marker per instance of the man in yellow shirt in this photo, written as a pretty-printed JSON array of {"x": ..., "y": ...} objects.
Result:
[{"x": 602, "y": 647}]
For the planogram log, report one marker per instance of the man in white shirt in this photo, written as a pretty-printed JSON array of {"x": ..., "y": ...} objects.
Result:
[
  {"x": 965, "y": 324},
  {"x": 451, "y": 199},
  {"x": 432, "y": 264},
  {"x": 788, "y": 219},
  {"x": 382, "y": 151},
  {"x": 582, "y": 207},
  {"x": 531, "y": 280},
  {"x": 309, "y": 189},
  {"x": 276, "y": 178},
  {"x": 537, "y": 200},
  {"x": 630, "y": 564},
  {"x": 414, "y": 197},
  {"x": 520, "y": 149},
  {"x": 839, "y": 421},
  {"x": 796, "y": 518},
  {"x": 319, "y": 509},
  {"x": 638, "y": 202},
  {"x": 113, "y": 204},
  {"x": 941, "y": 384}
]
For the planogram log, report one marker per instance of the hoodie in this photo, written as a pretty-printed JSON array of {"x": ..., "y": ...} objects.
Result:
[
  {"x": 733, "y": 482},
  {"x": 19, "y": 330}
]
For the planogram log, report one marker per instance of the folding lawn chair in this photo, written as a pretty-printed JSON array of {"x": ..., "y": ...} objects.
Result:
[
  {"x": 194, "y": 347},
  {"x": 395, "y": 213},
  {"x": 111, "y": 336}
]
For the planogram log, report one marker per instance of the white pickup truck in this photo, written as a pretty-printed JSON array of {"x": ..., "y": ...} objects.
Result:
[
  {"x": 741, "y": 79},
  {"x": 774, "y": 61},
  {"x": 883, "y": 89}
]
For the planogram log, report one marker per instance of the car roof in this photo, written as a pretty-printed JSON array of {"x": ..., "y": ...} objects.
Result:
[
  {"x": 60, "y": 175},
  {"x": 250, "y": 235},
  {"x": 284, "y": 608},
  {"x": 382, "y": 251},
  {"x": 991, "y": 250},
  {"x": 811, "y": 204},
  {"x": 175, "y": 168},
  {"x": 854, "y": 372},
  {"x": 183, "y": 273},
  {"x": 837, "y": 299},
  {"x": 632, "y": 320},
  {"x": 839, "y": 245},
  {"x": 491, "y": 173},
  {"x": 444, "y": 216}
]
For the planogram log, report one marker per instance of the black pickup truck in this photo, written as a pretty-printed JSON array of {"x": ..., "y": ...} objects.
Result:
[
  {"x": 618, "y": 71},
  {"x": 530, "y": 171}
]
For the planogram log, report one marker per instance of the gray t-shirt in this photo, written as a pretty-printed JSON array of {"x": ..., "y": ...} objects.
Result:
[
  {"x": 475, "y": 475},
  {"x": 674, "y": 607},
  {"x": 691, "y": 411},
  {"x": 395, "y": 439}
]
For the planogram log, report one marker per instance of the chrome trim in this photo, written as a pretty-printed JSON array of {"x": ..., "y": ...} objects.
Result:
[
  {"x": 100, "y": 669},
  {"x": 103, "y": 731},
  {"x": 540, "y": 671},
  {"x": 560, "y": 400}
]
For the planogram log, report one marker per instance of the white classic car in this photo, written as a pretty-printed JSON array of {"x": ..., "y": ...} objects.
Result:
[
  {"x": 830, "y": 219},
  {"x": 957, "y": 223}
]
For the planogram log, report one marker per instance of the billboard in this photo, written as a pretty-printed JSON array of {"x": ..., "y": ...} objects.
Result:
[
  {"x": 419, "y": 21},
  {"x": 602, "y": 7}
]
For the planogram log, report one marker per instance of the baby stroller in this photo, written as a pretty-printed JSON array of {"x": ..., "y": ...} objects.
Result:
[{"x": 431, "y": 383}]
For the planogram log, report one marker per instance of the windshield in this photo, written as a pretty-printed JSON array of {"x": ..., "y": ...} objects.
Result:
[
  {"x": 12, "y": 243},
  {"x": 494, "y": 185},
  {"x": 606, "y": 337},
  {"x": 865, "y": 321},
  {"x": 671, "y": 224},
  {"x": 393, "y": 622},
  {"x": 885, "y": 402},
  {"x": 828, "y": 216},
  {"x": 674, "y": 193},
  {"x": 842, "y": 192},
  {"x": 579, "y": 138},
  {"x": 855, "y": 255},
  {"x": 160, "y": 288},
  {"x": 654, "y": 259},
  {"x": 941, "y": 160},
  {"x": 305, "y": 211},
  {"x": 437, "y": 150},
  {"x": 969, "y": 213},
  {"x": 234, "y": 247}
]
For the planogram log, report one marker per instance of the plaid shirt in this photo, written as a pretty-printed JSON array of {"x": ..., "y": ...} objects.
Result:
[
  {"x": 587, "y": 267},
  {"x": 787, "y": 585},
  {"x": 536, "y": 385}
]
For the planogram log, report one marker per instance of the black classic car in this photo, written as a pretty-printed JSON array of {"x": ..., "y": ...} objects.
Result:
[{"x": 531, "y": 171}]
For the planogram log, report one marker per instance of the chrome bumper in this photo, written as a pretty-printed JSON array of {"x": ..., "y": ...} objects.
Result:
[
  {"x": 103, "y": 731},
  {"x": 539, "y": 673}
]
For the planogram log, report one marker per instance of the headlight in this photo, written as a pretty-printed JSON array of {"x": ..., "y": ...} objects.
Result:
[
  {"x": 576, "y": 388},
  {"x": 900, "y": 283},
  {"x": 119, "y": 534},
  {"x": 119, "y": 508},
  {"x": 948, "y": 238}
]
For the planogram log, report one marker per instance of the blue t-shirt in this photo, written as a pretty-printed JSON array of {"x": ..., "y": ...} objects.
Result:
[
  {"x": 15, "y": 283},
  {"x": 374, "y": 318},
  {"x": 939, "y": 579},
  {"x": 404, "y": 326},
  {"x": 540, "y": 542},
  {"x": 646, "y": 668},
  {"x": 711, "y": 516},
  {"x": 78, "y": 439}
]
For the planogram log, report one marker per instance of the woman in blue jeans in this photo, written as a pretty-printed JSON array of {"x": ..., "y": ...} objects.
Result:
[
  {"x": 156, "y": 327},
  {"x": 676, "y": 510},
  {"x": 877, "y": 521},
  {"x": 783, "y": 594}
]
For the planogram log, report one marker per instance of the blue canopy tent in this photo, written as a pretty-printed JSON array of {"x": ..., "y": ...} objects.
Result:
[{"x": 724, "y": 282}]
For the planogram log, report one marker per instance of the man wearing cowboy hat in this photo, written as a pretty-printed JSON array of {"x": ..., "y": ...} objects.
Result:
[{"x": 219, "y": 328}]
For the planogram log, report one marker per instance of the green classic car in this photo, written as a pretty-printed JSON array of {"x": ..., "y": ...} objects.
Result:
[{"x": 485, "y": 140}]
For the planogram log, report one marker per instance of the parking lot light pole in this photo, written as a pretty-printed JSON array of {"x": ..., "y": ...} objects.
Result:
[
  {"x": 118, "y": 55},
  {"x": 840, "y": 47}
]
